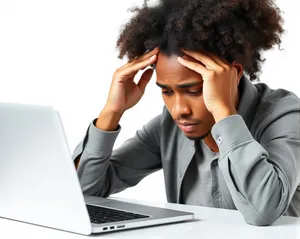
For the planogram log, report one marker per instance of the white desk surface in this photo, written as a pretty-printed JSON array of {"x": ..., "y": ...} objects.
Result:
[{"x": 208, "y": 223}]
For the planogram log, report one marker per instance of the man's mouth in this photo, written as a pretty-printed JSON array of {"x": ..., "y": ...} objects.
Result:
[{"x": 187, "y": 127}]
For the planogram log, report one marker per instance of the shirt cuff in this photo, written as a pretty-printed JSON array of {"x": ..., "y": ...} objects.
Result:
[
  {"x": 99, "y": 140},
  {"x": 230, "y": 133}
]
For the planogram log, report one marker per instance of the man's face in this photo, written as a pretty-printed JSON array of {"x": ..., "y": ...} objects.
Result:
[{"x": 182, "y": 94}]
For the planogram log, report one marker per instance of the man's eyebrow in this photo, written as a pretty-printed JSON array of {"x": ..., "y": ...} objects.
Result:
[
  {"x": 180, "y": 86},
  {"x": 163, "y": 86}
]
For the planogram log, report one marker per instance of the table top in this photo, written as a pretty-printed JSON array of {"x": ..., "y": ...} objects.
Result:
[{"x": 208, "y": 223}]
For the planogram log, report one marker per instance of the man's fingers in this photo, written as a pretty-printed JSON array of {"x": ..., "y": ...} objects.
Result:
[
  {"x": 194, "y": 66},
  {"x": 145, "y": 78},
  {"x": 155, "y": 51},
  {"x": 138, "y": 66},
  {"x": 219, "y": 61},
  {"x": 203, "y": 58}
]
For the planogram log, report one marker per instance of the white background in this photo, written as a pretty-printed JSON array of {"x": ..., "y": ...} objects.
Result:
[{"x": 62, "y": 53}]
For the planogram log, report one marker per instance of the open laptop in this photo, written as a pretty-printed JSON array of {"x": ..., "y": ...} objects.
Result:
[{"x": 39, "y": 183}]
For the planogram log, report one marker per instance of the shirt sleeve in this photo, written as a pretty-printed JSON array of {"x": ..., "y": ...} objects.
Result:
[
  {"x": 262, "y": 177},
  {"x": 103, "y": 171}
]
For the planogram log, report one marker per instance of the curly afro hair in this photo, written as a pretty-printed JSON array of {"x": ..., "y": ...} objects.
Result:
[{"x": 235, "y": 30}]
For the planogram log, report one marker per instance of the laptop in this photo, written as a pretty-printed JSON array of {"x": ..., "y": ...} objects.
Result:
[{"x": 39, "y": 183}]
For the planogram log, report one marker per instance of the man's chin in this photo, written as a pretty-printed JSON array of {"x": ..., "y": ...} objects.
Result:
[{"x": 197, "y": 137}]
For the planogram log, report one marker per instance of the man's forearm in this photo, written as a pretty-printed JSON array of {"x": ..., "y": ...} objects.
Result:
[{"x": 257, "y": 180}]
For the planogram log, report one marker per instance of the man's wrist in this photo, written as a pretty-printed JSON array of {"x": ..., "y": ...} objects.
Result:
[
  {"x": 108, "y": 121},
  {"x": 223, "y": 113}
]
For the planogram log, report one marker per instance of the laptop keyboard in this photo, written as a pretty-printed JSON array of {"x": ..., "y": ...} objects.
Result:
[{"x": 103, "y": 215}]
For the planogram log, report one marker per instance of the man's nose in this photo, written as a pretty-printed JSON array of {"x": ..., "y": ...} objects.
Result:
[{"x": 180, "y": 109}]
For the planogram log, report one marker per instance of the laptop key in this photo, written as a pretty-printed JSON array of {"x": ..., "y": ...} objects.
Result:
[{"x": 104, "y": 215}]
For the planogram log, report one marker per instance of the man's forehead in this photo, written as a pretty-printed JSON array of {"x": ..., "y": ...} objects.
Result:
[
  {"x": 168, "y": 67},
  {"x": 164, "y": 58}
]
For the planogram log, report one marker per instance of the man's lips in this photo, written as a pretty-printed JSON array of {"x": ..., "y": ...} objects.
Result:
[
  {"x": 185, "y": 123},
  {"x": 187, "y": 127}
]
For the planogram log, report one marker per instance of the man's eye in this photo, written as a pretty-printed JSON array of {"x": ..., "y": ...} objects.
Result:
[
  {"x": 167, "y": 92},
  {"x": 195, "y": 92}
]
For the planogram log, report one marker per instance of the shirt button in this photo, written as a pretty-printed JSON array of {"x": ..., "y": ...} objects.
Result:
[
  {"x": 216, "y": 194},
  {"x": 180, "y": 174},
  {"x": 219, "y": 140},
  {"x": 215, "y": 163}
]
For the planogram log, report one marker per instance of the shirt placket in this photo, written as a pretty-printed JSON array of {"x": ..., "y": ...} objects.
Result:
[{"x": 216, "y": 190}]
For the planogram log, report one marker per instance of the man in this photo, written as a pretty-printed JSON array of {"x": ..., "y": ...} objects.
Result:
[{"x": 221, "y": 140}]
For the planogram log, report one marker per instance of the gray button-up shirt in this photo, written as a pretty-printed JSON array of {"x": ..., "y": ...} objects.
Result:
[
  {"x": 257, "y": 170},
  {"x": 201, "y": 178}
]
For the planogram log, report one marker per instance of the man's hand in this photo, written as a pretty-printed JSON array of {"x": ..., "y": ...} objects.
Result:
[
  {"x": 124, "y": 92},
  {"x": 220, "y": 82}
]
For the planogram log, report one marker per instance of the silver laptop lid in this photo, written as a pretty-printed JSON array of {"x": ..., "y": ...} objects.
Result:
[{"x": 38, "y": 182}]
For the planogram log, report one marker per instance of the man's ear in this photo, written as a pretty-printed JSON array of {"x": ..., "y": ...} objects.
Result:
[{"x": 240, "y": 70}]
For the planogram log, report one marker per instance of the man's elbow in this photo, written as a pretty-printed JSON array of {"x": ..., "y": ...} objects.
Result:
[
  {"x": 257, "y": 220},
  {"x": 266, "y": 212},
  {"x": 91, "y": 188},
  {"x": 263, "y": 217}
]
